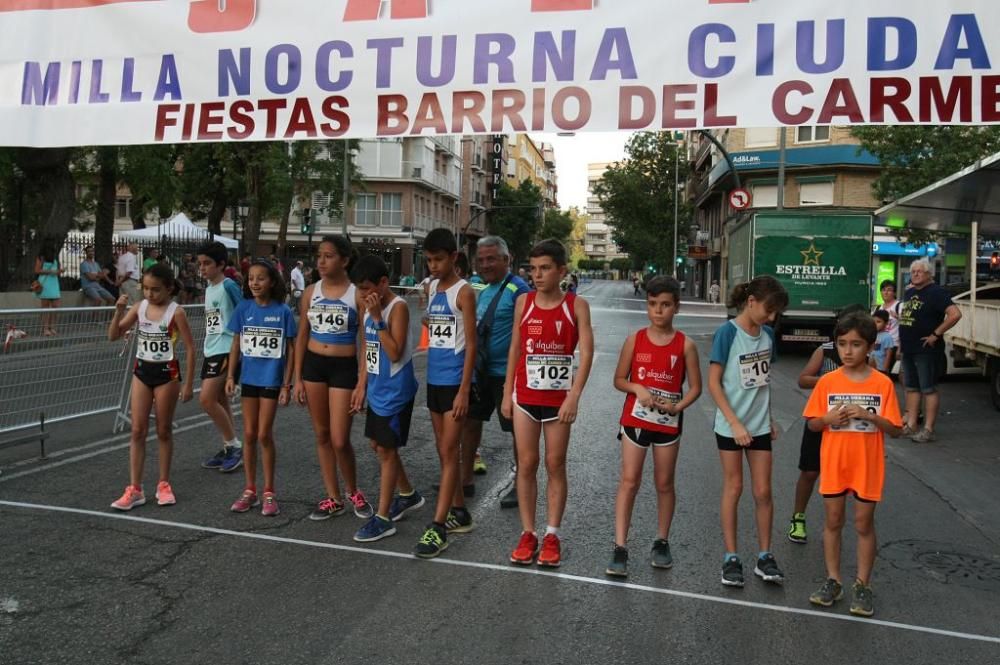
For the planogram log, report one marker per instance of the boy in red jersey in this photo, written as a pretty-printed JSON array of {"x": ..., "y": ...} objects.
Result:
[
  {"x": 542, "y": 393},
  {"x": 651, "y": 370}
]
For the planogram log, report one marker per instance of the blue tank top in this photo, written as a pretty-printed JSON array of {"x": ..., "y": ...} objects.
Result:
[
  {"x": 446, "y": 335},
  {"x": 333, "y": 320},
  {"x": 391, "y": 385}
]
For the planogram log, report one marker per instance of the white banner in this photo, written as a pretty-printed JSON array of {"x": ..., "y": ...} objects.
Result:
[{"x": 89, "y": 72}]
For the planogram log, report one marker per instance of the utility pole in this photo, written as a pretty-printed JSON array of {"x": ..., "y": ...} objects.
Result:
[
  {"x": 347, "y": 188},
  {"x": 781, "y": 168},
  {"x": 677, "y": 184}
]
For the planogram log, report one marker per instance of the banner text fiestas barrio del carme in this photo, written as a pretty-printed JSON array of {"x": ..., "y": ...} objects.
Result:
[{"x": 91, "y": 72}]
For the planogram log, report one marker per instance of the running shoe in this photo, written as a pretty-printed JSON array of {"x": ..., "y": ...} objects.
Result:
[
  {"x": 374, "y": 529},
  {"x": 862, "y": 602},
  {"x": 732, "y": 572},
  {"x": 767, "y": 569},
  {"x": 550, "y": 556},
  {"x": 660, "y": 554},
  {"x": 459, "y": 520},
  {"x": 130, "y": 499},
  {"x": 479, "y": 466},
  {"x": 270, "y": 507},
  {"x": 215, "y": 462},
  {"x": 433, "y": 542},
  {"x": 233, "y": 459},
  {"x": 527, "y": 548},
  {"x": 618, "y": 567},
  {"x": 828, "y": 594},
  {"x": 362, "y": 509},
  {"x": 246, "y": 501},
  {"x": 797, "y": 528},
  {"x": 326, "y": 509},
  {"x": 404, "y": 504},
  {"x": 923, "y": 436},
  {"x": 509, "y": 500},
  {"x": 907, "y": 431},
  {"x": 165, "y": 494}
]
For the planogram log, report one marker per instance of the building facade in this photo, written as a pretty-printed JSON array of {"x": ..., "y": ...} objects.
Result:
[{"x": 598, "y": 243}]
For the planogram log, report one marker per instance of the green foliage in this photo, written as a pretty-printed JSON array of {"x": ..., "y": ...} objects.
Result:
[
  {"x": 557, "y": 224},
  {"x": 638, "y": 194},
  {"x": 515, "y": 217},
  {"x": 914, "y": 157},
  {"x": 624, "y": 265}
]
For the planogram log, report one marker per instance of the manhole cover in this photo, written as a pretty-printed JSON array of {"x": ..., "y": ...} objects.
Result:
[{"x": 942, "y": 563}]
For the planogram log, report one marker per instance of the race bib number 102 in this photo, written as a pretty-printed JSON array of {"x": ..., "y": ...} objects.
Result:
[{"x": 549, "y": 372}]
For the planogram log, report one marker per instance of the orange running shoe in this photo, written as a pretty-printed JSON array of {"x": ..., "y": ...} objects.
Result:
[
  {"x": 165, "y": 494},
  {"x": 527, "y": 547},
  {"x": 130, "y": 499},
  {"x": 550, "y": 556}
]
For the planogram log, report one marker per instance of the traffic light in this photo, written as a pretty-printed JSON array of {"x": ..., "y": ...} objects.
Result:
[{"x": 306, "y": 227}]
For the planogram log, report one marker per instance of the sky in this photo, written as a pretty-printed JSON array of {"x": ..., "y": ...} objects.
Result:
[{"x": 573, "y": 153}]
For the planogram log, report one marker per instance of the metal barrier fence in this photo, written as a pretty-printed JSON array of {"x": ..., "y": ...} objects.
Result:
[{"x": 78, "y": 372}]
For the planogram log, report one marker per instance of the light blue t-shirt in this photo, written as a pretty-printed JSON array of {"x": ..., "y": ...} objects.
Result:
[
  {"x": 89, "y": 267},
  {"x": 746, "y": 362},
  {"x": 264, "y": 334},
  {"x": 220, "y": 302},
  {"x": 503, "y": 319},
  {"x": 883, "y": 343}
]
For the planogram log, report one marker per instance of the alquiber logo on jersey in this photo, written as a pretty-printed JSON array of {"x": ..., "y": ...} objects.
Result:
[{"x": 208, "y": 16}]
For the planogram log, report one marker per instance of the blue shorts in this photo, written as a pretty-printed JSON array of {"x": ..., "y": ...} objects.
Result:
[
  {"x": 921, "y": 371},
  {"x": 97, "y": 292}
]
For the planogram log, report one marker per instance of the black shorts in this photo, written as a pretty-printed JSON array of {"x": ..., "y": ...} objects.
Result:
[
  {"x": 441, "y": 399},
  {"x": 540, "y": 414},
  {"x": 809, "y": 450},
  {"x": 389, "y": 431},
  {"x": 259, "y": 392},
  {"x": 154, "y": 375},
  {"x": 488, "y": 400},
  {"x": 644, "y": 438},
  {"x": 845, "y": 493},
  {"x": 214, "y": 367},
  {"x": 334, "y": 371},
  {"x": 760, "y": 442}
]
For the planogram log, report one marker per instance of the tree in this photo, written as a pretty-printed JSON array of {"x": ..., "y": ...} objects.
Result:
[
  {"x": 557, "y": 224},
  {"x": 638, "y": 194},
  {"x": 515, "y": 216},
  {"x": 914, "y": 157},
  {"x": 578, "y": 237}
]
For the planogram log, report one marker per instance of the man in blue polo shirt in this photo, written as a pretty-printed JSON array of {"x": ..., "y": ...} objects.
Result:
[{"x": 493, "y": 264}]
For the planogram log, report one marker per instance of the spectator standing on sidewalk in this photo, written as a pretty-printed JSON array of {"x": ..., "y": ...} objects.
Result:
[
  {"x": 128, "y": 272},
  {"x": 298, "y": 280},
  {"x": 48, "y": 293},
  {"x": 927, "y": 313},
  {"x": 713, "y": 292}
]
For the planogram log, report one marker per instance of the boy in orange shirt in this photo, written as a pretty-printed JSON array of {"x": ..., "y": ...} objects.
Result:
[{"x": 854, "y": 407}]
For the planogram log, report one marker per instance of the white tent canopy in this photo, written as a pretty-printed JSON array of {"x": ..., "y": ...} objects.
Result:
[{"x": 180, "y": 228}]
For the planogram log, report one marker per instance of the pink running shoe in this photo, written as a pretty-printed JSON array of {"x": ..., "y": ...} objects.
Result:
[
  {"x": 165, "y": 494},
  {"x": 270, "y": 508},
  {"x": 246, "y": 501},
  {"x": 362, "y": 509},
  {"x": 130, "y": 499}
]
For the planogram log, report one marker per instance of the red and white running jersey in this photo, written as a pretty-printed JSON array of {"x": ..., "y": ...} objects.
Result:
[
  {"x": 660, "y": 369},
  {"x": 545, "y": 363}
]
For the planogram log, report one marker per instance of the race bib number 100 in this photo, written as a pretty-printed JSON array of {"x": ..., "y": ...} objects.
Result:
[
  {"x": 655, "y": 415},
  {"x": 549, "y": 372},
  {"x": 262, "y": 342},
  {"x": 441, "y": 331},
  {"x": 755, "y": 369}
]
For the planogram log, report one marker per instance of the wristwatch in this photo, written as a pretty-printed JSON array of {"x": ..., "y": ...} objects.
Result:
[{"x": 380, "y": 325}]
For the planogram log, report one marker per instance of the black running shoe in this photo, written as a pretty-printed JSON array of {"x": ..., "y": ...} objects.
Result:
[
  {"x": 732, "y": 572},
  {"x": 767, "y": 569},
  {"x": 618, "y": 567},
  {"x": 433, "y": 542}
]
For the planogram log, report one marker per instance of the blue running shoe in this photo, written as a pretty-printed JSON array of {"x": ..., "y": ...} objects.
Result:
[
  {"x": 215, "y": 462},
  {"x": 404, "y": 504},
  {"x": 233, "y": 459},
  {"x": 374, "y": 529}
]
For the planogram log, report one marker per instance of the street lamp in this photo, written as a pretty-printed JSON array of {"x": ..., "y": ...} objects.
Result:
[{"x": 240, "y": 211}]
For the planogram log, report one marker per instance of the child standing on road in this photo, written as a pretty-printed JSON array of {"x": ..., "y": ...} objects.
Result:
[
  {"x": 326, "y": 373},
  {"x": 222, "y": 296},
  {"x": 739, "y": 380},
  {"x": 652, "y": 367},
  {"x": 157, "y": 378},
  {"x": 853, "y": 407},
  {"x": 883, "y": 355},
  {"x": 541, "y": 393},
  {"x": 451, "y": 358},
  {"x": 392, "y": 387},
  {"x": 263, "y": 339}
]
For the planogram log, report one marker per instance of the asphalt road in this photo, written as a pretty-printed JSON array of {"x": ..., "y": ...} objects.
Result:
[{"x": 194, "y": 583}]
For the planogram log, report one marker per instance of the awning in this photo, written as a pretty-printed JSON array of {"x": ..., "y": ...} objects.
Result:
[{"x": 953, "y": 203}]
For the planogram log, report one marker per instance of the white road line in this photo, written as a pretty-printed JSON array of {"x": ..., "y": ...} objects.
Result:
[
  {"x": 511, "y": 570},
  {"x": 203, "y": 420}
]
